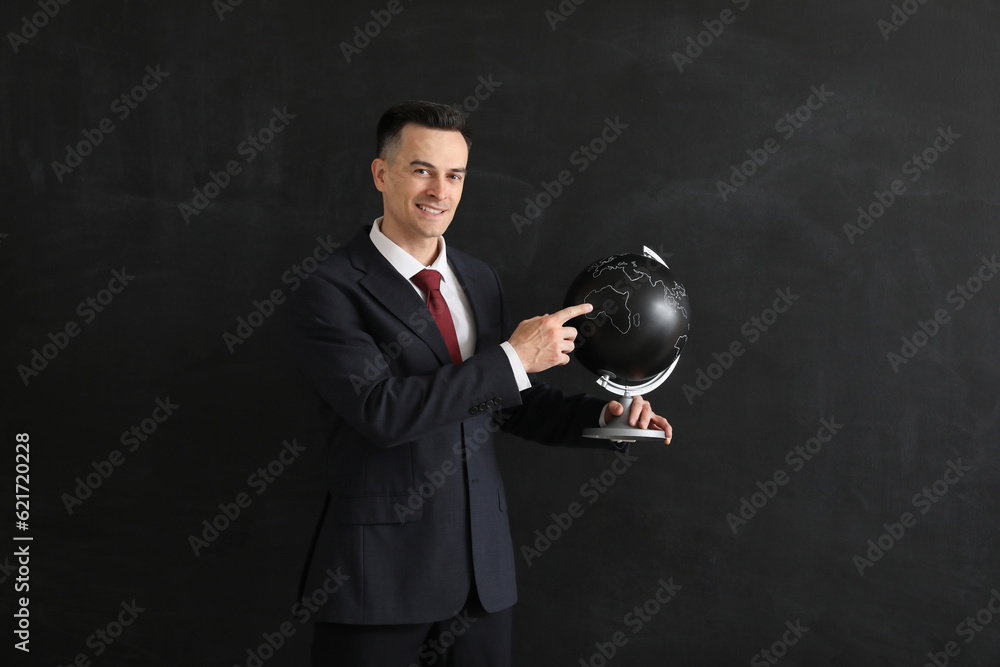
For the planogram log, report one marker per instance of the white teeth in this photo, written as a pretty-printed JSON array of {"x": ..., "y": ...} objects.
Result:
[{"x": 429, "y": 209}]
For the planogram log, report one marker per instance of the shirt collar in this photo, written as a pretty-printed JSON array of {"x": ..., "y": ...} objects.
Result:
[{"x": 403, "y": 261}]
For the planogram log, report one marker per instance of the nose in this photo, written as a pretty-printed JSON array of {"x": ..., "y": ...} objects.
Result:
[{"x": 439, "y": 187}]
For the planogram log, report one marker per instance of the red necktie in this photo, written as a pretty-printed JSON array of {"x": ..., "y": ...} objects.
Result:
[{"x": 429, "y": 281}]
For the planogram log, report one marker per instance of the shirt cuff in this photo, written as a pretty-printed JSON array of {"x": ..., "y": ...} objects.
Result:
[{"x": 520, "y": 376}]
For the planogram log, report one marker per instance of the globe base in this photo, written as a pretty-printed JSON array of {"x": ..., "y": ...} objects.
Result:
[{"x": 627, "y": 434}]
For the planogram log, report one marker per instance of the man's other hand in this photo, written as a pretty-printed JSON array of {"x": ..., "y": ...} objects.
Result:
[{"x": 641, "y": 416}]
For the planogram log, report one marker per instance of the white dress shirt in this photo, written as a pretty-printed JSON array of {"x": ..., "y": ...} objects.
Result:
[{"x": 451, "y": 290}]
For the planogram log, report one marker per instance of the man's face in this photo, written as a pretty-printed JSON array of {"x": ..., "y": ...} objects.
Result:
[{"x": 421, "y": 184}]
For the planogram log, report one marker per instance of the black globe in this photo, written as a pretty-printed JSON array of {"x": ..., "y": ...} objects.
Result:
[{"x": 640, "y": 320}]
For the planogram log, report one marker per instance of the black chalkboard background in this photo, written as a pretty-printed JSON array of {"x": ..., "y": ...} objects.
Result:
[{"x": 838, "y": 559}]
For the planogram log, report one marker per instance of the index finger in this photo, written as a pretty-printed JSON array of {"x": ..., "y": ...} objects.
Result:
[{"x": 568, "y": 313}]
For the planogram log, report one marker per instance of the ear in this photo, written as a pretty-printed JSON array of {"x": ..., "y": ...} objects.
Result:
[{"x": 379, "y": 170}]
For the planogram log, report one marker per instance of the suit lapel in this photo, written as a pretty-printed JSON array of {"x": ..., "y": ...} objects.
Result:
[
  {"x": 479, "y": 298},
  {"x": 396, "y": 294}
]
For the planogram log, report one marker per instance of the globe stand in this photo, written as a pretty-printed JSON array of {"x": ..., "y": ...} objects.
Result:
[{"x": 618, "y": 429}]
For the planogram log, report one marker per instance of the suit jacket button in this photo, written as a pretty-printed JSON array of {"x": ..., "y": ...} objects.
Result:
[
  {"x": 473, "y": 410},
  {"x": 489, "y": 403}
]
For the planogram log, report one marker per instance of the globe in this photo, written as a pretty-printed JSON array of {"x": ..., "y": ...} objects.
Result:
[{"x": 640, "y": 320}]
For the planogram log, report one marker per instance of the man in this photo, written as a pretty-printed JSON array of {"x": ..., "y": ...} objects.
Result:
[{"x": 409, "y": 345}]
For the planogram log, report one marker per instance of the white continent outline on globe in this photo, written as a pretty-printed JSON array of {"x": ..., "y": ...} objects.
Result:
[
  {"x": 672, "y": 295},
  {"x": 593, "y": 315}
]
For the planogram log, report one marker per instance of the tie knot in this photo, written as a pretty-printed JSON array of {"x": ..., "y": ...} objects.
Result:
[{"x": 428, "y": 280}]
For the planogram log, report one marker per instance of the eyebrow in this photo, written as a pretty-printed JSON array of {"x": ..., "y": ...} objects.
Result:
[{"x": 422, "y": 163}]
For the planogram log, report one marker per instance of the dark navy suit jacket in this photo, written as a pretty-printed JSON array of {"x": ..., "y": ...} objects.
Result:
[{"x": 415, "y": 509}]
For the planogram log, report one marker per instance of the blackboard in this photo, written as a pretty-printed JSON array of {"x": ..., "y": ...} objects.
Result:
[{"x": 821, "y": 176}]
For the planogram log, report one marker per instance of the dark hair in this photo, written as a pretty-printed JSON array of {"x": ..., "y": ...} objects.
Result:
[{"x": 426, "y": 114}]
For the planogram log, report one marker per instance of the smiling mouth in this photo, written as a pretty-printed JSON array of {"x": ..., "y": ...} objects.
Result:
[{"x": 430, "y": 209}]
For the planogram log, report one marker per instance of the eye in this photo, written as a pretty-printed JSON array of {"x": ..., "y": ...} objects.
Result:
[
  {"x": 456, "y": 177},
  {"x": 420, "y": 171}
]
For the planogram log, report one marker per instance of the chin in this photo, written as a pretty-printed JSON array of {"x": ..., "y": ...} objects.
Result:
[{"x": 436, "y": 227}]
